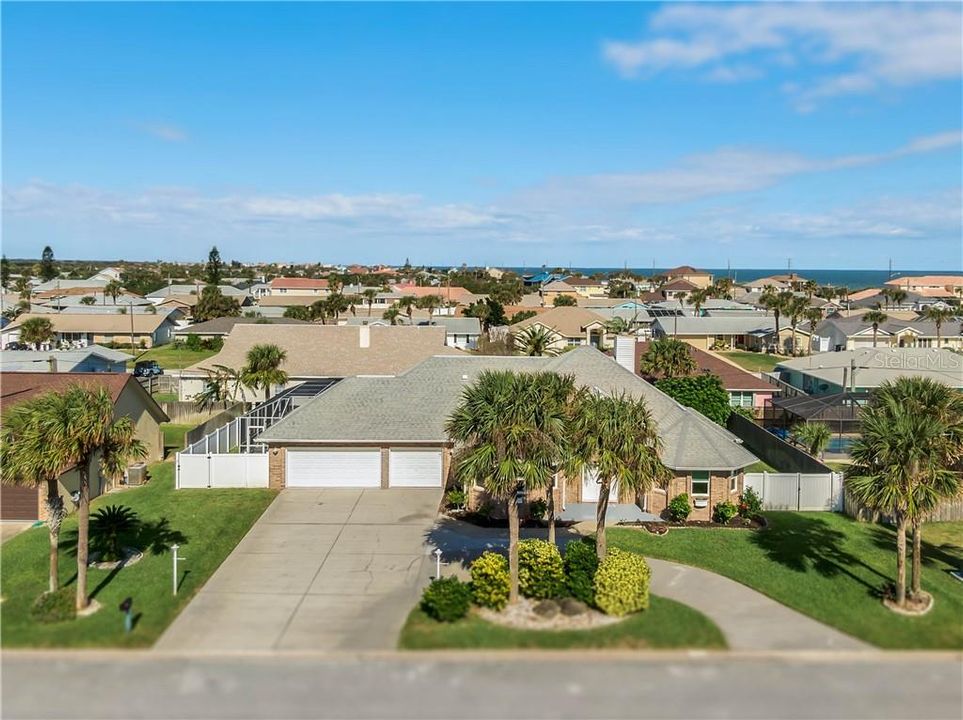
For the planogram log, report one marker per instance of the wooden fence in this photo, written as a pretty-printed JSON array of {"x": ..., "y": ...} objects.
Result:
[{"x": 950, "y": 510}]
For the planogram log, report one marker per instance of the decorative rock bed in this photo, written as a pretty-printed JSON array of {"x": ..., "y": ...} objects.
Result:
[
  {"x": 566, "y": 614},
  {"x": 132, "y": 556}
]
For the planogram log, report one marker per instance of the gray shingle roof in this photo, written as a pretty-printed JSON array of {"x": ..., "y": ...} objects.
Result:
[
  {"x": 877, "y": 365},
  {"x": 413, "y": 407}
]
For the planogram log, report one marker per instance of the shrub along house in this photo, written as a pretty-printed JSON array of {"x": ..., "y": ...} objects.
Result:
[{"x": 383, "y": 432}]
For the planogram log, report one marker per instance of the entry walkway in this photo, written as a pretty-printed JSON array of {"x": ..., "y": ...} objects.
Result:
[{"x": 322, "y": 569}]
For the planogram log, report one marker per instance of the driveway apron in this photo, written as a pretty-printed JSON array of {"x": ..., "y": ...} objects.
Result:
[{"x": 322, "y": 569}]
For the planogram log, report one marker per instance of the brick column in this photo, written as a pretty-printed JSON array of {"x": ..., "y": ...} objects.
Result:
[{"x": 276, "y": 461}]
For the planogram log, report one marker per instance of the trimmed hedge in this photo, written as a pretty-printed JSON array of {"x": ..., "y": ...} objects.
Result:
[
  {"x": 490, "y": 581},
  {"x": 446, "y": 599},
  {"x": 581, "y": 563},
  {"x": 622, "y": 583},
  {"x": 540, "y": 571}
]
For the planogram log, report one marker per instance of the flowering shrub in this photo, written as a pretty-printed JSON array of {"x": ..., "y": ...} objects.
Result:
[
  {"x": 723, "y": 512},
  {"x": 622, "y": 583},
  {"x": 540, "y": 571},
  {"x": 490, "y": 582},
  {"x": 750, "y": 504}
]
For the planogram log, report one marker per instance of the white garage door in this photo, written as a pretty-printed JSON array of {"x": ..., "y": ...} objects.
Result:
[
  {"x": 414, "y": 468},
  {"x": 333, "y": 468}
]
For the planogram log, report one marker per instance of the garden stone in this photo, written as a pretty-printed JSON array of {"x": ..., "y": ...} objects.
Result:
[
  {"x": 572, "y": 607},
  {"x": 546, "y": 609}
]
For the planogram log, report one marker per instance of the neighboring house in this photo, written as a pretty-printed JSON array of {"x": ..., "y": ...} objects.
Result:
[
  {"x": 390, "y": 432},
  {"x": 786, "y": 281},
  {"x": 570, "y": 326},
  {"x": 108, "y": 274},
  {"x": 687, "y": 273},
  {"x": 557, "y": 288},
  {"x": 536, "y": 280},
  {"x": 587, "y": 287},
  {"x": 460, "y": 332},
  {"x": 323, "y": 352},
  {"x": 752, "y": 332},
  {"x": 130, "y": 399},
  {"x": 91, "y": 359},
  {"x": 222, "y": 326},
  {"x": 62, "y": 284},
  {"x": 850, "y": 333},
  {"x": 311, "y": 287},
  {"x": 673, "y": 289},
  {"x": 83, "y": 329},
  {"x": 936, "y": 286},
  {"x": 830, "y": 373},
  {"x": 746, "y": 390},
  {"x": 73, "y": 297},
  {"x": 242, "y": 296},
  {"x": 450, "y": 296}
]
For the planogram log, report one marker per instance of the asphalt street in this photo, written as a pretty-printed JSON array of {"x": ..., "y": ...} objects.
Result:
[{"x": 449, "y": 685}]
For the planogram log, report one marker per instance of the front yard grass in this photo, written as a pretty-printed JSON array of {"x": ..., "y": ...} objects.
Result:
[
  {"x": 206, "y": 523},
  {"x": 829, "y": 567},
  {"x": 666, "y": 624},
  {"x": 753, "y": 361},
  {"x": 172, "y": 357}
]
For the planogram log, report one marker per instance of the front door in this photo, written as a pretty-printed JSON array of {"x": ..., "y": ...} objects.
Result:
[{"x": 590, "y": 487}]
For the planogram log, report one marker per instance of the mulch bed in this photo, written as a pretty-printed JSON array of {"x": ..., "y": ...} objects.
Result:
[{"x": 663, "y": 526}]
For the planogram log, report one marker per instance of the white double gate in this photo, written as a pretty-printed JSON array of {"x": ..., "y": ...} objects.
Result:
[
  {"x": 222, "y": 470},
  {"x": 798, "y": 491}
]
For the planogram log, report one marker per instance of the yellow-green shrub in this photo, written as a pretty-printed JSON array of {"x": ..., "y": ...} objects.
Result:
[
  {"x": 490, "y": 581},
  {"x": 622, "y": 583},
  {"x": 540, "y": 571}
]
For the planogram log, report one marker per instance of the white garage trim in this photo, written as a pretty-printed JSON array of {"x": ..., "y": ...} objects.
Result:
[
  {"x": 414, "y": 468},
  {"x": 333, "y": 467}
]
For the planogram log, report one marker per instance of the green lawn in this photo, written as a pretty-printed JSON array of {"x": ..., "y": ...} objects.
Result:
[
  {"x": 170, "y": 357},
  {"x": 165, "y": 397},
  {"x": 829, "y": 567},
  {"x": 759, "y": 466},
  {"x": 174, "y": 435},
  {"x": 206, "y": 523},
  {"x": 753, "y": 361},
  {"x": 666, "y": 624}
]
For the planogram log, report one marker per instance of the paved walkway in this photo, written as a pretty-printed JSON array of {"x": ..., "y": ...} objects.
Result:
[
  {"x": 12, "y": 528},
  {"x": 320, "y": 570},
  {"x": 748, "y": 619}
]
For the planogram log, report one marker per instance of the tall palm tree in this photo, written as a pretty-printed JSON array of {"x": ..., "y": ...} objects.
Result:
[
  {"x": 668, "y": 358},
  {"x": 898, "y": 295},
  {"x": 36, "y": 331},
  {"x": 429, "y": 303},
  {"x": 113, "y": 288},
  {"x": 79, "y": 426},
  {"x": 263, "y": 368},
  {"x": 535, "y": 340},
  {"x": 501, "y": 447},
  {"x": 887, "y": 294},
  {"x": 876, "y": 318},
  {"x": 617, "y": 438},
  {"x": 938, "y": 316},
  {"x": 319, "y": 310},
  {"x": 335, "y": 304},
  {"x": 774, "y": 302},
  {"x": 810, "y": 287},
  {"x": 795, "y": 308},
  {"x": 813, "y": 316},
  {"x": 408, "y": 303},
  {"x": 22, "y": 287},
  {"x": 391, "y": 315},
  {"x": 369, "y": 295},
  {"x": 697, "y": 299}
]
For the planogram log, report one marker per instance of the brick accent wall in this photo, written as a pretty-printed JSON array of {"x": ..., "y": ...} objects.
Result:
[
  {"x": 385, "y": 467},
  {"x": 276, "y": 461},
  {"x": 718, "y": 492}
]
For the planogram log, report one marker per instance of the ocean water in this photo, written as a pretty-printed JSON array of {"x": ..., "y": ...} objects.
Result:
[{"x": 851, "y": 279}]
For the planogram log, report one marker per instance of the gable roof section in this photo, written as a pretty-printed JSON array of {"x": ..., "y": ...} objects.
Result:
[
  {"x": 224, "y": 325},
  {"x": 334, "y": 351},
  {"x": 558, "y": 286},
  {"x": 679, "y": 286},
  {"x": 98, "y": 322},
  {"x": 413, "y": 407},
  {"x": 567, "y": 320}
]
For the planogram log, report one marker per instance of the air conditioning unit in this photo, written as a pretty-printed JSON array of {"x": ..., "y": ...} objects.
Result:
[{"x": 137, "y": 474}]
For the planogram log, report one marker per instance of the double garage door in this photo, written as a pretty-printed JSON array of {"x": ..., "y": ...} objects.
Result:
[{"x": 361, "y": 468}]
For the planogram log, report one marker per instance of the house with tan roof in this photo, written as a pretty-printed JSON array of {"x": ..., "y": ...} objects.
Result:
[
  {"x": 82, "y": 329},
  {"x": 699, "y": 278},
  {"x": 555, "y": 289},
  {"x": 587, "y": 287},
  {"x": 323, "y": 352},
  {"x": 929, "y": 285},
  {"x": 311, "y": 287},
  {"x": 570, "y": 326}
]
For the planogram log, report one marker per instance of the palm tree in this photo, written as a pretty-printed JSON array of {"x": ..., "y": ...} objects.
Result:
[
  {"x": 697, "y": 298},
  {"x": 938, "y": 316},
  {"x": 263, "y": 368},
  {"x": 22, "y": 287},
  {"x": 887, "y": 294},
  {"x": 319, "y": 310},
  {"x": 391, "y": 315},
  {"x": 795, "y": 307},
  {"x": 408, "y": 303},
  {"x": 36, "y": 331},
  {"x": 617, "y": 325},
  {"x": 222, "y": 383},
  {"x": 722, "y": 288},
  {"x": 771, "y": 300},
  {"x": 813, "y": 316},
  {"x": 429, "y": 303},
  {"x": 88, "y": 300},
  {"x": 501, "y": 446},
  {"x": 810, "y": 287},
  {"x": 668, "y": 358},
  {"x": 369, "y": 296},
  {"x": 616, "y": 436},
  {"x": 79, "y": 425},
  {"x": 876, "y": 318},
  {"x": 113, "y": 288},
  {"x": 535, "y": 340},
  {"x": 297, "y": 312},
  {"x": 898, "y": 295},
  {"x": 814, "y": 436}
]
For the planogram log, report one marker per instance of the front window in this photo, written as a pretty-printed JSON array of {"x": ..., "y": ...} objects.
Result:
[
  {"x": 740, "y": 398},
  {"x": 700, "y": 482}
]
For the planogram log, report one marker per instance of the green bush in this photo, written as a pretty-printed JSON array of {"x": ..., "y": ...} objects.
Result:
[
  {"x": 723, "y": 512},
  {"x": 679, "y": 508},
  {"x": 193, "y": 342},
  {"x": 110, "y": 526},
  {"x": 446, "y": 600},
  {"x": 55, "y": 607},
  {"x": 537, "y": 509},
  {"x": 455, "y": 498},
  {"x": 750, "y": 504},
  {"x": 581, "y": 562},
  {"x": 490, "y": 581},
  {"x": 540, "y": 571},
  {"x": 622, "y": 583},
  {"x": 704, "y": 393}
]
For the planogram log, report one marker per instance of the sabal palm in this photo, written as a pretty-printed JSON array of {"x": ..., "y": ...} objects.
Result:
[
  {"x": 875, "y": 318},
  {"x": 36, "y": 330},
  {"x": 391, "y": 315},
  {"x": 429, "y": 303},
  {"x": 222, "y": 383},
  {"x": 263, "y": 367},
  {"x": 536, "y": 341},
  {"x": 503, "y": 445},
  {"x": 795, "y": 308},
  {"x": 408, "y": 304},
  {"x": 617, "y": 325},
  {"x": 697, "y": 299},
  {"x": 369, "y": 297},
  {"x": 668, "y": 358},
  {"x": 617, "y": 438},
  {"x": 938, "y": 316},
  {"x": 815, "y": 436},
  {"x": 113, "y": 288},
  {"x": 79, "y": 425}
]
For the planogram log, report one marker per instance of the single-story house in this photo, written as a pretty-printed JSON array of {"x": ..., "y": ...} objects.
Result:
[
  {"x": 130, "y": 399},
  {"x": 753, "y": 332},
  {"x": 830, "y": 373},
  {"x": 390, "y": 432},
  {"x": 311, "y": 287},
  {"x": 242, "y": 296},
  {"x": 570, "y": 326},
  {"x": 850, "y": 333},
  {"x": 460, "y": 332},
  {"x": 556, "y": 289},
  {"x": 91, "y": 359},
  {"x": 82, "y": 329},
  {"x": 221, "y": 327},
  {"x": 323, "y": 352}
]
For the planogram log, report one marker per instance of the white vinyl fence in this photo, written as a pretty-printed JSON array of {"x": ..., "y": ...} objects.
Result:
[
  {"x": 798, "y": 491},
  {"x": 222, "y": 470}
]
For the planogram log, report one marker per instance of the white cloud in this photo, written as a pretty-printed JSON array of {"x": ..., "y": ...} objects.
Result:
[
  {"x": 850, "y": 48},
  {"x": 164, "y": 131}
]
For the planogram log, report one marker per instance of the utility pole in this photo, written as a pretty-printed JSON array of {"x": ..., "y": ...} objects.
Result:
[{"x": 131, "y": 313}]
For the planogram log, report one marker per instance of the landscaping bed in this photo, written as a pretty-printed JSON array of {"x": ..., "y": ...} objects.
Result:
[
  {"x": 661, "y": 528},
  {"x": 206, "y": 523},
  {"x": 488, "y": 521}
]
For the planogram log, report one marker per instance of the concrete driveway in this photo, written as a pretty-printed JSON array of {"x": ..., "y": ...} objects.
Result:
[{"x": 322, "y": 569}]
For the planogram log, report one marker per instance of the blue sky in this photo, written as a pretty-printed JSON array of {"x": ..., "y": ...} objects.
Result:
[{"x": 494, "y": 134}]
